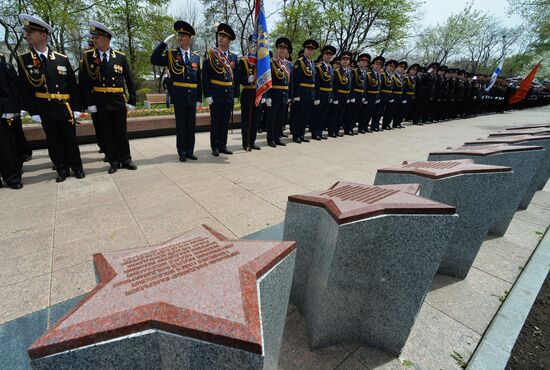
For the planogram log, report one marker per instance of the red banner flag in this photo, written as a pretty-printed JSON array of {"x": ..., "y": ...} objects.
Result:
[{"x": 524, "y": 87}]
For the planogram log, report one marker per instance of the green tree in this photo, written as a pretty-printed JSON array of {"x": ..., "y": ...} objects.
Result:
[{"x": 537, "y": 16}]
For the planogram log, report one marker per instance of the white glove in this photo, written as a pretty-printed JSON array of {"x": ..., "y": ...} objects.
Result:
[
  {"x": 269, "y": 102},
  {"x": 377, "y": 101},
  {"x": 335, "y": 102},
  {"x": 209, "y": 100},
  {"x": 390, "y": 101},
  {"x": 167, "y": 40},
  {"x": 250, "y": 79},
  {"x": 235, "y": 100},
  {"x": 403, "y": 102},
  {"x": 352, "y": 100},
  {"x": 347, "y": 101},
  {"x": 330, "y": 101},
  {"x": 131, "y": 107},
  {"x": 92, "y": 109},
  {"x": 365, "y": 101},
  {"x": 23, "y": 113},
  {"x": 199, "y": 104},
  {"x": 297, "y": 98},
  {"x": 8, "y": 115},
  {"x": 36, "y": 118},
  {"x": 262, "y": 101},
  {"x": 76, "y": 114},
  {"x": 316, "y": 102}
]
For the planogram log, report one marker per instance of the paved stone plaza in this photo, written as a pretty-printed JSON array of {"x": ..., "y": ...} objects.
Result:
[{"x": 50, "y": 231}]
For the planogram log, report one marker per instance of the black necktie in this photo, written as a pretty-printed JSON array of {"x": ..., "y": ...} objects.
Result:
[
  {"x": 44, "y": 61},
  {"x": 186, "y": 58},
  {"x": 104, "y": 59}
]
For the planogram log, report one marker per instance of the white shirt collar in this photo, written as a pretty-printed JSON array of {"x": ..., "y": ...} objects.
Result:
[
  {"x": 183, "y": 51},
  {"x": 108, "y": 52},
  {"x": 44, "y": 53}
]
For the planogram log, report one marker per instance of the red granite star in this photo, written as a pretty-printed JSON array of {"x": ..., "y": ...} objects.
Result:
[
  {"x": 443, "y": 169},
  {"x": 199, "y": 285}
]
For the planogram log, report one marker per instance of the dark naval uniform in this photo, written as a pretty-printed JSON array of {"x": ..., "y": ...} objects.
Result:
[
  {"x": 10, "y": 105},
  {"x": 303, "y": 79},
  {"x": 250, "y": 113},
  {"x": 397, "y": 94},
  {"x": 186, "y": 89},
  {"x": 323, "y": 93},
  {"x": 404, "y": 102},
  {"x": 103, "y": 79},
  {"x": 49, "y": 89},
  {"x": 279, "y": 95},
  {"x": 386, "y": 89},
  {"x": 357, "y": 93},
  {"x": 340, "y": 91},
  {"x": 371, "y": 98},
  {"x": 219, "y": 83}
]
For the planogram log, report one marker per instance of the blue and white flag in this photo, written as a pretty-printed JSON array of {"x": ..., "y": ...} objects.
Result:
[
  {"x": 495, "y": 75},
  {"x": 263, "y": 65}
]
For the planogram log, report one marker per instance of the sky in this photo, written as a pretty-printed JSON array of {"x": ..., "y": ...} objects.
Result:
[{"x": 431, "y": 12}]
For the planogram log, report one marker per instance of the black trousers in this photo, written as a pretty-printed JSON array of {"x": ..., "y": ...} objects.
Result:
[
  {"x": 369, "y": 110},
  {"x": 62, "y": 146},
  {"x": 401, "y": 110},
  {"x": 10, "y": 161},
  {"x": 276, "y": 119},
  {"x": 421, "y": 109},
  {"x": 115, "y": 136},
  {"x": 250, "y": 117},
  {"x": 98, "y": 134},
  {"x": 380, "y": 109},
  {"x": 320, "y": 118},
  {"x": 302, "y": 115},
  {"x": 22, "y": 145},
  {"x": 352, "y": 114},
  {"x": 220, "y": 114},
  {"x": 186, "y": 120}
]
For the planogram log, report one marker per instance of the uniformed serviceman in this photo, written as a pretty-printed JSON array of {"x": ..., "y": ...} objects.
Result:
[
  {"x": 360, "y": 96},
  {"x": 278, "y": 96},
  {"x": 355, "y": 97},
  {"x": 51, "y": 96},
  {"x": 10, "y": 108},
  {"x": 105, "y": 75},
  {"x": 323, "y": 93},
  {"x": 404, "y": 103},
  {"x": 250, "y": 113},
  {"x": 184, "y": 67},
  {"x": 397, "y": 94},
  {"x": 424, "y": 94},
  {"x": 386, "y": 89},
  {"x": 303, "y": 90},
  {"x": 340, "y": 94},
  {"x": 373, "y": 92},
  {"x": 220, "y": 87}
]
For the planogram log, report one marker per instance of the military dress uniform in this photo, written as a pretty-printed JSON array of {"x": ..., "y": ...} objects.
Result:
[
  {"x": 304, "y": 93},
  {"x": 219, "y": 83},
  {"x": 424, "y": 95},
  {"x": 50, "y": 92},
  {"x": 105, "y": 78},
  {"x": 10, "y": 107},
  {"x": 340, "y": 96},
  {"x": 363, "y": 109},
  {"x": 278, "y": 95},
  {"x": 404, "y": 102},
  {"x": 386, "y": 89},
  {"x": 372, "y": 95},
  {"x": 357, "y": 93},
  {"x": 397, "y": 96},
  {"x": 185, "y": 88},
  {"x": 250, "y": 113},
  {"x": 323, "y": 95}
]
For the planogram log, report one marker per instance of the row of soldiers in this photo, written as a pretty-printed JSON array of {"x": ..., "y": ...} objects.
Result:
[{"x": 329, "y": 94}]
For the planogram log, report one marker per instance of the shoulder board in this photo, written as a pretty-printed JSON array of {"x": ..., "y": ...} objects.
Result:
[
  {"x": 23, "y": 54},
  {"x": 120, "y": 52},
  {"x": 171, "y": 49},
  {"x": 61, "y": 55},
  {"x": 89, "y": 51},
  {"x": 197, "y": 54}
]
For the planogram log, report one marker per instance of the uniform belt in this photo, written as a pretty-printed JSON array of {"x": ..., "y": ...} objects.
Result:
[
  {"x": 52, "y": 96},
  {"x": 328, "y": 89},
  {"x": 343, "y": 91},
  {"x": 249, "y": 87},
  {"x": 222, "y": 83},
  {"x": 279, "y": 87},
  {"x": 359, "y": 90},
  {"x": 185, "y": 84},
  {"x": 108, "y": 89},
  {"x": 410, "y": 92},
  {"x": 398, "y": 92},
  {"x": 372, "y": 92},
  {"x": 386, "y": 91},
  {"x": 303, "y": 84}
]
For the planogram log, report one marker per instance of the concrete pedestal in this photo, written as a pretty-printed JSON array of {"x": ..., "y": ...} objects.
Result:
[
  {"x": 366, "y": 257},
  {"x": 524, "y": 161},
  {"x": 474, "y": 189},
  {"x": 526, "y": 131}
]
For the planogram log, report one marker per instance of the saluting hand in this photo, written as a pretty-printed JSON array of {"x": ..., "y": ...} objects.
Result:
[{"x": 167, "y": 40}]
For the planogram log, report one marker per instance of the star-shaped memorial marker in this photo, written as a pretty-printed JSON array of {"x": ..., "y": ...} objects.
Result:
[
  {"x": 486, "y": 150},
  {"x": 199, "y": 285},
  {"x": 347, "y": 202},
  {"x": 514, "y": 139},
  {"x": 443, "y": 169}
]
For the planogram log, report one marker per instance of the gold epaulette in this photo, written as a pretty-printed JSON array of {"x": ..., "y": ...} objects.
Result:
[{"x": 61, "y": 55}]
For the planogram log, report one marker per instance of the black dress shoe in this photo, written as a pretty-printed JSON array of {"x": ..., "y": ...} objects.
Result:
[
  {"x": 362, "y": 132},
  {"x": 226, "y": 151},
  {"x": 318, "y": 138},
  {"x": 16, "y": 186},
  {"x": 303, "y": 139},
  {"x": 280, "y": 143},
  {"x": 324, "y": 137},
  {"x": 340, "y": 135},
  {"x": 183, "y": 158},
  {"x": 333, "y": 135},
  {"x": 272, "y": 144},
  {"x": 129, "y": 166},
  {"x": 349, "y": 133},
  {"x": 61, "y": 178},
  {"x": 284, "y": 135},
  {"x": 26, "y": 157},
  {"x": 297, "y": 141},
  {"x": 255, "y": 147},
  {"x": 79, "y": 174},
  {"x": 112, "y": 169},
  {"x": 192, "y": 157}
]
